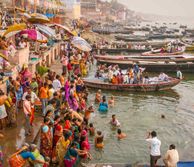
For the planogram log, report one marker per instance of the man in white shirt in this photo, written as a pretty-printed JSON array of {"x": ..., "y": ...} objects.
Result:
[
  {"x": 32, "y": 95},
  {"x": 155, "y": 144},
  {"x": 179, "y": 74},
  {"x": 57, "y": 84},
  {"x": 171, "y": 157}
]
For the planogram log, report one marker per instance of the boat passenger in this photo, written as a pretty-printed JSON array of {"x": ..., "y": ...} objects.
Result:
[
  {"x": 110, "y": 75},
  {"x": 111, "y": 101},
  {"x": 120, "y": 134},
  {"x": 126, "y": 79},
  {"x": 163, "y": 77},
  {"x": 179, "y": 74},
  {"x": 103, "y": 107},
  {"x": 99, "y": 140},
  {"x": 114, "y": 121},
  {"x": 114, "y": 79}
]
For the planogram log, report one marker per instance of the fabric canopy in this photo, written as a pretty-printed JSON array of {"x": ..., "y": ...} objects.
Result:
[
  {"x": 34, "y": 35},
  {"x": 46, "y": 30},
  {"x": 14, "y": 29},
  {"x": 81, "y": 44},
  {"x": 67, "y": 29},
  {"x": 38, "y": 18}
]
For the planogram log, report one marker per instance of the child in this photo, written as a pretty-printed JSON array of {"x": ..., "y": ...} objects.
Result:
[
  {"x": 111, "y": 102},
  {"x": 120, "y": 135},
  {"x": 91, "y": 129}
]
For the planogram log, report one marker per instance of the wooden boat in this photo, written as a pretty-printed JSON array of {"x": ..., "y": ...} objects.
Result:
[
  {"x": 157, "y": 66},
  {"x": 151, "y": 87},
  {"x": 189, "y": 48},
  {"x": 185, "y": 164},
  {"x": 158, "y": 53},
  {"x": 132, "y": 38},
  {"x": 120, "y": 50},
  {"x": 170, "y": 58}
]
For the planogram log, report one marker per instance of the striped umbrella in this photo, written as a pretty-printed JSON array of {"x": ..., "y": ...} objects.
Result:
[
  {"x": 14, "y": 29},
  {"x": 81, "y": 44},
  {"x": 38, "y": 18},
  {"x": 46, "y": 30},
  {"x": 34, "y": 35}
]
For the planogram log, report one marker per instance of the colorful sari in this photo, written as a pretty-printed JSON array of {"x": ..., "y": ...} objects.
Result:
[
  {"x": 46, "y": 141},
  {"x": 61, "y": 149},
  {"x": 11, "y": 110}
]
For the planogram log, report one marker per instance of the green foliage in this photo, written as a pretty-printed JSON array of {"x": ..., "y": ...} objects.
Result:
[{"x": 42, "y": 70}]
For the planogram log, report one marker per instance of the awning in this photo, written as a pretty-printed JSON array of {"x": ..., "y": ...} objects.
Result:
[
  {"x": 14, "y": 29},
  {"x": 46, "y": 30},
  {"x": 81, "y": 44},
  {"x": 34, "y": 35},
  {"x": 67, "y": 29},
  {"x": 38, "y": 18}
]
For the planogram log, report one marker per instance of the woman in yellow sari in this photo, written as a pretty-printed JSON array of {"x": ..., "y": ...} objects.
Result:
[
  {"x": 83, "y": 68},
  {"x": 62, "y": 146}
]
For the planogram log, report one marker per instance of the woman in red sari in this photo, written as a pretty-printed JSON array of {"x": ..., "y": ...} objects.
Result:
[
  {"x": 58, "y": 133},
  {"x": 46, "y": 144},
  {"x": 58, "y": 130}
]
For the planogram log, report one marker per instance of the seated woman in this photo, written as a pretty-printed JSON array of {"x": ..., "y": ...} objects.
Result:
[
  {"x": 99, "y": 140},
  {"x": 37, "y": 155},
  {"x": 20, "y": 158},
  {"x": 120, "y": 135},
  {"x": 103, "y": 107}
]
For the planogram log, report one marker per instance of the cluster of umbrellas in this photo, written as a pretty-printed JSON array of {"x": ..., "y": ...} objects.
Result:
[{"x": 42, "y": 32}]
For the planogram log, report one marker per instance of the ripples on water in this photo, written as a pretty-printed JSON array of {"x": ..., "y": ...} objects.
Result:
[{"x": 139, "y": 113}]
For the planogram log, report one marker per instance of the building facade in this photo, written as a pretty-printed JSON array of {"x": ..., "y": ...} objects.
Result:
[{"x": 88, "y": 6}]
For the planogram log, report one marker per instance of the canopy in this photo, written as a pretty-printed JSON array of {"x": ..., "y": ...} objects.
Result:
[
  {"x": 14, "y": 29},
  {"x": 3, "y": 56},
  {"x": 34, "y": 35},
  {"x": 64, "y": 27},
  {"x": 26, "y": 15},
  {"x": 38, "y": 18},
  {"x": 46, "y": 30},
  {"x": 81, "y": 44}
]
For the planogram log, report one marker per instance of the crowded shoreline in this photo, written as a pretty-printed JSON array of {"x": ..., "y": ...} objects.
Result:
[{"x": 50, "y": 117}]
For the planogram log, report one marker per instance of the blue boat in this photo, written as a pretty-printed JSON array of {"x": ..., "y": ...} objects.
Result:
[{"x": 186, "y": 164}]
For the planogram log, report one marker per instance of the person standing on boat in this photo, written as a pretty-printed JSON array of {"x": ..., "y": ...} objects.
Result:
[
  {"x": 179, "y": 74},
  {"x": 171, "y": 157},
  {"x": 155, "y": 144}
]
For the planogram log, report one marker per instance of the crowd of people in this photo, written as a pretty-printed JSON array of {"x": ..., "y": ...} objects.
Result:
[{"x": 135, "y": 75}]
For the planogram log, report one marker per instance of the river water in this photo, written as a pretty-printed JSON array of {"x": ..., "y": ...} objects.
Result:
[{"x": 139, "y": 113}]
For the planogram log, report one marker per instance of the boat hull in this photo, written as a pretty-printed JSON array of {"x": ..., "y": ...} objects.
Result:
[
  {"x": 120, "y": 50},
  {"x": 98, "y": 84},
  {"x": 161, "y": 54}
]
